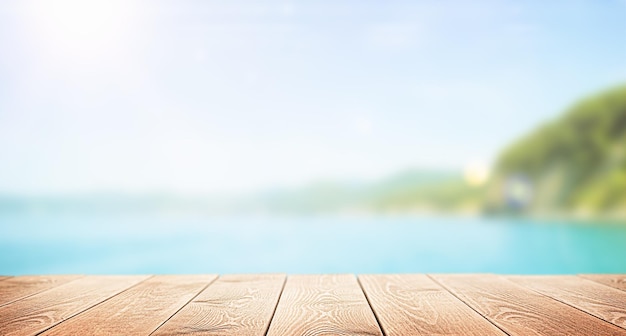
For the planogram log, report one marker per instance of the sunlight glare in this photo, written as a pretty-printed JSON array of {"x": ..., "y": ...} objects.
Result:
[
  {"x": 476, "y": 173},
  {"x": 81, "y": 28}
]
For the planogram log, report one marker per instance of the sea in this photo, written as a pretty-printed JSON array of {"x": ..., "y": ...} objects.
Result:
[{"x": 49, "y": 243}]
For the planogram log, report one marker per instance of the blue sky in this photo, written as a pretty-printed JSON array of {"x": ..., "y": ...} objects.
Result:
[{"x": 206, "y": 96}]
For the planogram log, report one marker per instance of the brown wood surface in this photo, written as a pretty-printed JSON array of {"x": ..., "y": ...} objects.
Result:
[
  {"x": 137, "y": 311},
  {"x": 596, "y": 299},
  {"x": 613, "y": 280},
  {"x": 251, "y": 305},
  {"x": 323, "y": 305},
  {"x": 41, "y": 311},
  {"x": 521, "y": 311},
  {"x": 237, "y": 305},
  {"x": 4, "y": 277},
  {"x": 413, "y": 304},
  {"x": 13, "y": 289}
]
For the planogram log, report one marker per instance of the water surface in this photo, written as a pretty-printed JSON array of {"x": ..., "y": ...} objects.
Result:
[{"x": 132, "y": 244}]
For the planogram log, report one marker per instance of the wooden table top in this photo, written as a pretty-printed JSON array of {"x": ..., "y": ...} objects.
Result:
[{"x": 278, "y": 305}]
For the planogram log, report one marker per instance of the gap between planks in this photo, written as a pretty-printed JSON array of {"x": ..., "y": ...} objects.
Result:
[
  {"x": 44, "y": 310},
  {"x": 414, "y": 304},
  {"x": 617, "y": 281},
  {"x": 599, "y": 300},
  {"x": 231, "y": 305},
  {"x": 391, "y": 305},
  {"x": 323, "y": 305},
  {"x": 518, "y": 310},
  {"x": 17, "y": 288},
  {"x": 137, "y": 311}
]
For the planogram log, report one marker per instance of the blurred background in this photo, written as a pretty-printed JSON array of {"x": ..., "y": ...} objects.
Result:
[{"x": 312, "y": 136}]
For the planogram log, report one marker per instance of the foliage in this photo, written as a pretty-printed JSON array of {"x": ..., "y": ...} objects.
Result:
[{"x": 576, "y": 163}]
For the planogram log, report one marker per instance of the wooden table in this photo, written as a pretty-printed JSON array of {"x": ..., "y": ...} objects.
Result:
[{"x": 276, "y": 305}]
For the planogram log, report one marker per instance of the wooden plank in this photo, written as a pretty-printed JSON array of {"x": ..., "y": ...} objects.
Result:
[
  {"x": 596, "y": 299},
  {"x": 41, "y": 311},
  {"x": 4, "y": 277},
  {"x": 20, "y": 287},
  {"x": 613, "y": 280},
  {"x": 521, "y": 311},
  {"x": 413, "y": 304},
  {"x": 139, "y": 310},
  {"x": 233, "y": 305},
  {"x": 323, "y": 305}
]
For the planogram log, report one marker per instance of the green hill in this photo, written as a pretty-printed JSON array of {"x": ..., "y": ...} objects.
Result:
[
  {"x": 406, "y": 192},
  {"x": 574, "y": 164},
  {"x": 409, "y": 191}
]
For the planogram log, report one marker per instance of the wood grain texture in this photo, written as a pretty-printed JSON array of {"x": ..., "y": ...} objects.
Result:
[
  {"x": 16, "y": 288},
  {"x": 137, "y": 311},
  {"x": 413, "y": 304},
  {"x": 237, "y": 305},
  {"x": 41, "y": 311},
  {"x": 521, "y": 311},
  {"x": 596, "y": 299},
  {"x": 613, "y": 280},
  {"x": 323, "y": 305}
]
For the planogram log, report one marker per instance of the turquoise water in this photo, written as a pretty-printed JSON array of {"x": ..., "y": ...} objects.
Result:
[{"x": 195, "y": 244}]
